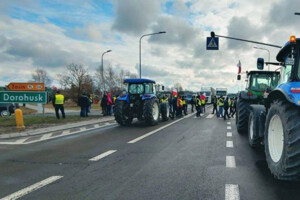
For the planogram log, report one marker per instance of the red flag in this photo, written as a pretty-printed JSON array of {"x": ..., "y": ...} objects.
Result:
[{"x": 239, "y": 65}]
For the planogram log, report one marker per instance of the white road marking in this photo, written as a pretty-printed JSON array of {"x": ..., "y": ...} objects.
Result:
[
  {"x": 46, "y": 136},
  {"x": 229, "y": 134},
  {"x": 96, "y": 158},
  {"x": 31, "y": 188},
  {"x": 230, "y": 162},
  {"x": 107, "y": 123},
  {"x": 232, "y": 192},
  {"x": 229, "y": 144},
  {"x": 229, "y": 123},
  {"x": 64, "y": 133},
  {"x": 229, "y": 127},
  {"x": 155, "y": 131},
  {"x": 83, "y": 129},
  {"x": 96, "y": 126},
  {"x": 210, "y": 116}
]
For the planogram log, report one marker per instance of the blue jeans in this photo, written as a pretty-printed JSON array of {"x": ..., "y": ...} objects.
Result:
[
  {"x": 83, "y": 112},
  {"x": 220, "y": 111}
]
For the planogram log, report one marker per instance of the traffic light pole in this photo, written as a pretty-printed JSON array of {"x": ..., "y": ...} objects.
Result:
[{"x": 243, "y": 40}]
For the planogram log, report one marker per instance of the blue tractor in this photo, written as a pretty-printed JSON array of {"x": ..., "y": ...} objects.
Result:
[
  {"x": 139, "y": 101},
  {"x": 276, "y": 123}
]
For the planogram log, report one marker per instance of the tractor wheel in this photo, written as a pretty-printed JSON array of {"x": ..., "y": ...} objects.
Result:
[
  {"x": 165, "y": 111},
  {"x": 122, "y": 114},
  {"x": 242, "y": 116},
  {"x": 253, "y": 130},
  {"x": 282, "y": 140},
  {"x": 151, "y": 111}
]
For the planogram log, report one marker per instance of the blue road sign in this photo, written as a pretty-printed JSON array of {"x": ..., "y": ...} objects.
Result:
[{"x": 212, "y": 43}]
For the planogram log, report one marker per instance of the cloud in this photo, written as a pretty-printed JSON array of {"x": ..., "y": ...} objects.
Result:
[
  {"x": 241, "y": 27},
  {"x": 282, "y": 14},
  {"x": 153, "y": 71},
  {"x": 179, "y": 32},
  {"x": 91, "y": 32},
  {"x": 134, "y": 16}
]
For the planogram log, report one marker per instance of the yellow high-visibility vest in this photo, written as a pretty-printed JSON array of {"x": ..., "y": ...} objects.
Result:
[
  {"x": 183, "y": 102},
  {"x": 198, "y": 103},
  {"x": 165, "y": 100},
  {"x": 221, "y": 102},
  {"x": 203, "y": 101},
  {"x": 59, "y": 99}
]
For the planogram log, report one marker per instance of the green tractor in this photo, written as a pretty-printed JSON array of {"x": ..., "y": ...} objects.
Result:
[{"x": 259, "y": 84}]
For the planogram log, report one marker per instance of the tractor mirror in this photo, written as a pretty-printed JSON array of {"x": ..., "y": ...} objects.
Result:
[
  {"x": 260, "y": 63},
  {"x": 238, "y": 77}
]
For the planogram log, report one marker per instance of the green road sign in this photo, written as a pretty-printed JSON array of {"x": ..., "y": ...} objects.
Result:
[{"x": 23, "y": 97}]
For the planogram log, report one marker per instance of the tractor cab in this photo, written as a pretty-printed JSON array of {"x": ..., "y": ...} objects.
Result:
[{"x": 261, "y": 81}]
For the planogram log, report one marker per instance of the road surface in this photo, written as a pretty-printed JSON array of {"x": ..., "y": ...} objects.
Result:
[{"x": 189, "y": 158}]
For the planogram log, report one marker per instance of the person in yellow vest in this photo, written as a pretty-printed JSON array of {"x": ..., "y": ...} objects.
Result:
[
  {"x": 184, "y": 105},
  {"x": 165, "y": 99},
  {"x": 202, "y": 98},
  {"x": 221, "y": 106},
  {"x": 198, "y": 106},
  {"x": 179, "y": 107},
  {"x": 58, "y": 103},
  {"x": 231, "y": 103}
]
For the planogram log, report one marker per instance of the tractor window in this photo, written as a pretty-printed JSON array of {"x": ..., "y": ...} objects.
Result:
[
  {"x": 260, "y": 82},
  {"x": 149, "y": 88},
  {"x": 285, "y": 73},
  {"x": 136, "y": 89}
]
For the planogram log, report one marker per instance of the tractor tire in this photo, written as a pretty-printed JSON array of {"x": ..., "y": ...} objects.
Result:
[
  {"x": 253, "y": 130},
  {"x": 122, "y": 113},
  {"x": 165, "y": 111},
  {"x": 242, "y": 117},
  {"x": 151, "y": 111},
  {"x": 282, "y": 140}
]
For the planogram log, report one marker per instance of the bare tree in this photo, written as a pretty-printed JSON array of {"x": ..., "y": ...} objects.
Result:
[
  {"x": 77, "y": 80},
  {"x": 41, "y": 76},
  {"x": 178, "y": 87}
]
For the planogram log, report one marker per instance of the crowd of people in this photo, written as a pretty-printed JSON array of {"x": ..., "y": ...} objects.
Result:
[{"x": 222, "y": 107}]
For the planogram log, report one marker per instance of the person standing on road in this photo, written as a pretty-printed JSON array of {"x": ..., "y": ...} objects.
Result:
[
  {"x": 104, "y": 104},
  {"x": 226, "y": 107},
  {"x": 58, "y": 103},
  {"x": 234, "y": 107},
  {"x": 198, "y": 106},
  {"x": 174, "y": 106},
  {"x": 221, "y": 105},
  {"x": 193, "y": 101},
  {"x": 90, "y": 103},
  {"x": 202, "y": 103},
  {"x": 83, "y": 103},
  {"x": 231, "y": 104},
  {"x": 109, "y": 104},
  {"x": 215, "y": 105},
  {"x": 179, "y": 107},
  {"x": 184, "y": 105}
]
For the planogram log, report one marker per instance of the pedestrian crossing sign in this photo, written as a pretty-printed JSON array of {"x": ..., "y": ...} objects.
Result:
[{"x": 212, "y": 43}]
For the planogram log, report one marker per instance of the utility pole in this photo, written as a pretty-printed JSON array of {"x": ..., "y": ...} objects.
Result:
[
  {"x": 161, "y": 32},
  {"x": 102, "y": 70}
]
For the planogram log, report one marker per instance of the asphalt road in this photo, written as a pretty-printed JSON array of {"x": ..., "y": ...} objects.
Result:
[{"x": 188, "y": 159}]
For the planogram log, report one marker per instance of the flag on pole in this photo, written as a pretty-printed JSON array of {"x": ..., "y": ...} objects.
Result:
[
  {"x": 239, "y": 65},
  {"x": 174, "y": 92}
]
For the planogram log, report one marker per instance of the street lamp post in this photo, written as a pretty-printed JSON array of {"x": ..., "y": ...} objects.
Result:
[
  {"x": 161, "y": 32},
  {"x": 268, "y": 53},
  {"x": 102, "y": 76}
]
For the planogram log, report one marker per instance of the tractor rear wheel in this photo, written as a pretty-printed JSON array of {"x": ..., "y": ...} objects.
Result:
[
  {"x": 242, "y": 117},
  {"x": 151, "y": 111},
  {"x": 122, "y": 114},
  {"x": 165, "y": 111},
  {"x": 282, "y": 140}
]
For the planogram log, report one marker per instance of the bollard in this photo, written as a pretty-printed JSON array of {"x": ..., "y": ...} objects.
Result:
[{"x": 19, "y": 119}]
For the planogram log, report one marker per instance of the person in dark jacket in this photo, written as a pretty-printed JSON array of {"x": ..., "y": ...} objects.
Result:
[
  {"x": 226, "y": 107},
  {"x": 104, "y": 104},
  {"x": 215, "y": 105},
  {"x": 174, "y": 104},
  {"x": 234, "y": 107},
  {"x": 193, "y": 102},
  {"x": 83, "y": 102}
]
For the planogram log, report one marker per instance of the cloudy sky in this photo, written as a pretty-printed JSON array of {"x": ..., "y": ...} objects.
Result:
[{"x": 51, "y": 34}]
